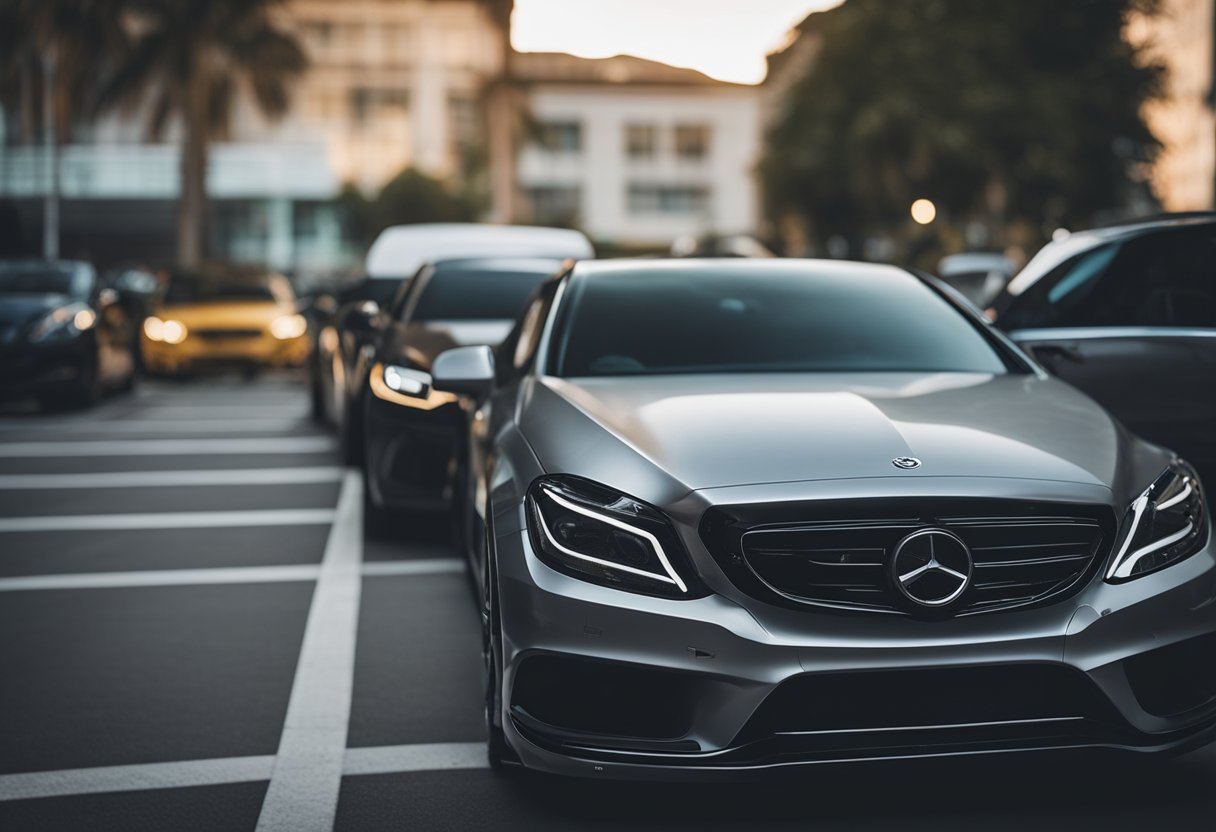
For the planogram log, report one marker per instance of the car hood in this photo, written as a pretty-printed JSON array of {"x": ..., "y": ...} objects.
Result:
[
  {"x": 718, "y": 431},
  {"x": 19, "y": 311},
  {"x": 423, "y": 341},
  {"x": 225, "y": 314}
]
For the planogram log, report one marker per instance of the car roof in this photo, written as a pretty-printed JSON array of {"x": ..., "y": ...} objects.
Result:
[
  {"x": 401, "y": 250},
  {"x": 766, "y": 265},
  {"x": 1055, "y": 253},
  {"x": 500, "y": 264}
]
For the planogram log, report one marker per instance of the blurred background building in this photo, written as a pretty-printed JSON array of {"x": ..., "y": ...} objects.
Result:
[
  {"x": 634, "y": 152},
  {"x": 1182, "y": 34}
]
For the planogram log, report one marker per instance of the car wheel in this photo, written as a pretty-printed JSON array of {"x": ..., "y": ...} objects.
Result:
[
  {"x": 352, "y": 433},
  {"x": 84, "y": 392}
]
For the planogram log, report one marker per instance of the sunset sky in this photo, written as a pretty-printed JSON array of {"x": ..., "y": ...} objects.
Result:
[{"x": 726, "y": 39}]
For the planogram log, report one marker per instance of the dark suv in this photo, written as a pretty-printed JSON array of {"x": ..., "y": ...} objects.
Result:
[{"x": 1128, "y": 315}]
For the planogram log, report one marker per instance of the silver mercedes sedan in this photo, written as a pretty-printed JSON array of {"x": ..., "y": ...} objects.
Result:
[{"x": 729, "y": 516}]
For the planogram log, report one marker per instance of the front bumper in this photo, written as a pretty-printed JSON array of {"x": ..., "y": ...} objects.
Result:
[
  {"x": 604, "y": 683},
  {"x": 413, "y": 454},
  {"x": 196, "y": 352},
  {"x": 43, "y": 368}
]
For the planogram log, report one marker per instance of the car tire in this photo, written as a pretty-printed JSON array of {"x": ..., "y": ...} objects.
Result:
[
  {"x": 84, "y": 392},
  {"x": 499, "y": 754},
  {"x": 352, "y": 433}
]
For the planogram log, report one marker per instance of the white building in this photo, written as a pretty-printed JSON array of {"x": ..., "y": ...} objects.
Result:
[{"x": 636, "y": 153}]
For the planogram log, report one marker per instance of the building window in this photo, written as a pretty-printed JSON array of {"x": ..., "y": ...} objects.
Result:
[
  {"x": 641, "y": 141},
  {"x": 369, "y": 105},
  {"x": 692, "y": 141},
  {"x": 464, "y": 121},
  {"x": 558, "y": 205},
  {"x": 560, "y": 136},
  {"x": 645, "y": 198}
]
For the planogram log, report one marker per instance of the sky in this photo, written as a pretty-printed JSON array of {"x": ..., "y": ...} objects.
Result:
[{"x": 726, "y": 39}]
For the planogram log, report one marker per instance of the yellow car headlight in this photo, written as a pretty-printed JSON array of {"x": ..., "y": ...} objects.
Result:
[
  {"x": 169, "y": 331},
  {"x": 288, "y": 326}
]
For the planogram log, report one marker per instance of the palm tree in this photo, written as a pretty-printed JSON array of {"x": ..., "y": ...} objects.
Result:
[
  {"x": 53, "y": 54},
  {"x": 190, "y": 60}
]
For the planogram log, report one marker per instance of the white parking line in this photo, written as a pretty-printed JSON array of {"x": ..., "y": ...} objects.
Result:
[
  {"x": 221, "y": 575},
  {"x": 144, "y": 447},
  {"x": 303, "y": 790},
  {"x": 392, "y": 759},
  {"x": 137, "y": 426},
  {"x": 36, "y": 784},
  {"x": 395, "y": 759},
  {"x": 143, "y": 479},
  {"x": 169, "y": 520}
]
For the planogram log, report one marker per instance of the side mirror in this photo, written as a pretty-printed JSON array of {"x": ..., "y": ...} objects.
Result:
[{"x": 468, "y": 370}]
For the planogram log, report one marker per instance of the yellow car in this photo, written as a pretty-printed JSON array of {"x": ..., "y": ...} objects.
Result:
[{"x": 222, "y": 317}]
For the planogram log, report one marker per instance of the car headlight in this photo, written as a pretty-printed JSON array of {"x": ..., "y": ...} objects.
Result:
[
  {"x": 63, "y": 322},
  {"x": 168, "y": 331},
  {"x": 288, "y": 326},
  {"x": 599, "y": 535},
  {"x": 412, "y": 388},
  {"x": 1166, "y": 523}
]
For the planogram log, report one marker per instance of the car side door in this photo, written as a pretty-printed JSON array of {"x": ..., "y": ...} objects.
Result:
[{"x": 1133, "y": 324}]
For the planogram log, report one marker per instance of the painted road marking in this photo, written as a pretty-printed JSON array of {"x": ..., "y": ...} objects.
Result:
[
  {"x": 138, "y": 426},
  {"x": 391, "y": 759},
  {"x": 143, "y": 447},
  {"x": 169, "y": 520},
  {"x": 142, "y": 479},
  {"x": 221, "y": 575},
  {"x": 303, "y": 790}
]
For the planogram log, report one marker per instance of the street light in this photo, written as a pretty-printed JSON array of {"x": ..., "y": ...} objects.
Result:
[{"x": 923, "y": 211}]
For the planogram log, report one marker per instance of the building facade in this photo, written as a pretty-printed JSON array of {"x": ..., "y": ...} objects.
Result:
[
  {"x": 634, "y": 152},
  {"x": 391, "y": 84},
  {"x": 1181, "y": 37}
]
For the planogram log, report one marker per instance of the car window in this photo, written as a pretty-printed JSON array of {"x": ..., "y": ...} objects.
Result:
[
  {"x": 801, "y": 319},
  {"x": 476, "y": 295},
  {"x": 206, "y": 286},
  {"x": 1162, "y": 279},
  {"x": 46, "y": 278}
]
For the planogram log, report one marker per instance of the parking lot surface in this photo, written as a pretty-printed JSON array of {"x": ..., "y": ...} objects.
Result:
[{"x": 197, "y": 633}]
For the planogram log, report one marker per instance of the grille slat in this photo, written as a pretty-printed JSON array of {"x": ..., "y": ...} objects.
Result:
[{"x": 1018, "y": 560}]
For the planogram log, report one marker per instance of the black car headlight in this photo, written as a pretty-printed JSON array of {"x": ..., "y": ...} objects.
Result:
[
  {"x": 63, "y": 323},
  {"x": 1166, "y": 523},
  {"x": 599, "y": 535}
]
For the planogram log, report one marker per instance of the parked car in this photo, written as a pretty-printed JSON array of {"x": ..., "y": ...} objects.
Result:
[
  {"x": 64, "y": 338},
  {"x": 1128, "y": 315},
  {"x": 394, "y": 258},
  {"x": 979, "y": 276},
  {"x": 224, "y": 316},
  {"x": 757, "y": 514},
  {"x": 412, "y": 434}
]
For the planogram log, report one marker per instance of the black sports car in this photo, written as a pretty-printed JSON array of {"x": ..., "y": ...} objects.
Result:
[{"x": 63, "y": 337}]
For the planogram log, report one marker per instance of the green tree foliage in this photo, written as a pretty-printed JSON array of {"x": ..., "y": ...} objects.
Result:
[
  {"x": 1021, "y": 114},
  {"x": 409, "y": 197}
]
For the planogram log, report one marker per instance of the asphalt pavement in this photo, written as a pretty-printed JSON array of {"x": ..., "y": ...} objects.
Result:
[{"x": 196, "y": 633}]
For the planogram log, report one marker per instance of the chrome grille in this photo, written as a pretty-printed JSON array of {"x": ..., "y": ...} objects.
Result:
[
  {"x": 225, "y": 334},
  {"x": 1019, "y": 560}
]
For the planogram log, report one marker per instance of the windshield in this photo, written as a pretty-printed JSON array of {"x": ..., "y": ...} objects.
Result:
[
  {"x": 795, "y": 318},
  {"x": 223, "y": 286},
  {"x": 473, "y": 294},
  {"x": 44, "y": 279}
]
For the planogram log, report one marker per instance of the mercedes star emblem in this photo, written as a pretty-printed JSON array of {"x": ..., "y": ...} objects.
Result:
[
  {"x": 931, "y": 567},
  {"x": 906, "y": 462}
]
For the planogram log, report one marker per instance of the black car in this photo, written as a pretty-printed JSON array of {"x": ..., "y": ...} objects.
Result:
[
  {"x": 340, "y": 323},
  {"x": 1128, "y": 315},
  {"x": 63, "y": 336},
  {"x": 411, "y": 434}
]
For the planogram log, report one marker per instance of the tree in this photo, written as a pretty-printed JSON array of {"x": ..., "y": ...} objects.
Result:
[
  {"x": 1023, "y": 115},
  {"x": 52, "y": 55},
  {"x": 409, "y": 197},
  {"x": 190, "y": 60}
]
